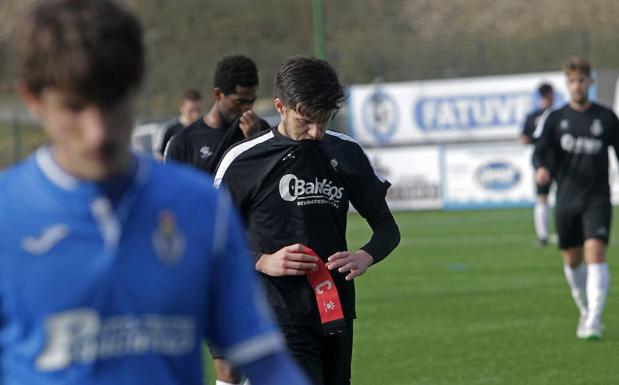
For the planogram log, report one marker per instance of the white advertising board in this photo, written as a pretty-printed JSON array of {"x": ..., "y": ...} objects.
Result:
[
  {"x": 438, "y": 111},
  {"x": 414, "y": 174},
  {"x": 471, "y": 176},
  {"x": 487, "y": 175}
]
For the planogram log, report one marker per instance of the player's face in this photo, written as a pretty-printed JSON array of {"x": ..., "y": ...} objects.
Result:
[
  {"x": 232, "y": 106},
  {"x": 578, "y": 85},
  {"x": 297, "y": 127},
  {"x": 89, "y": 141},
  {"x": 191, "y": 110},
  {"x": 546, "y": 101}
]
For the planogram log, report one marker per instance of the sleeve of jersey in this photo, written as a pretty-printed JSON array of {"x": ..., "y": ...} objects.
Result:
[
  {"x": 543, "y": 144},
  {"x": 615, "y": 134},
  {"x": 173, "y": 150},
  {"x": 529, "y": 126},
  {"x": 368, "y": 191},
  {"x": 158, "y": 142},
  {"x": 239, "y": 323}
]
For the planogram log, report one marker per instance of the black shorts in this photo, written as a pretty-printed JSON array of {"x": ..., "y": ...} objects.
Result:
[
  {"x": 326, "y": 360},
  {"x": 573, "y": 228},
  {"x": 542, "y": 189}
]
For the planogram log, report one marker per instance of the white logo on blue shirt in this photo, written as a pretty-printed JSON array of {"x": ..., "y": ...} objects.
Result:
[{"x": 49, "y": 237}]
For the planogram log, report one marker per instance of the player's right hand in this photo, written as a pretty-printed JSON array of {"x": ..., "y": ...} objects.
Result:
[
  {"x": 542, "y": 176},
  {"x": 289, "y": 260},
  {"x": 249, "y": 123}
]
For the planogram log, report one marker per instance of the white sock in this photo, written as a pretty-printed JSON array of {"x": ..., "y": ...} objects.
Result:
[
  {"x": 218, "y": 382},
  {"x": 576, "y": 278},
  {"x": 540, "y": 218},
  {"x": 597, "y": 290}
]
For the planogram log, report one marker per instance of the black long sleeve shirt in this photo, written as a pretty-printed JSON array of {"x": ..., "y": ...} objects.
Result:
[{"x": 299, "y": 192}]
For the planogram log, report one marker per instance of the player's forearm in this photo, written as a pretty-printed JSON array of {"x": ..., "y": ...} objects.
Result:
[
  {"x": 539, "y": 158},
  {"x": 385, "y": 237}
]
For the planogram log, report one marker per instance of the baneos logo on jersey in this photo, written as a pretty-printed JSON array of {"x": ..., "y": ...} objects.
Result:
[
  {"x": 497, "y": 175},
  {"x": 323, "y": 191}
]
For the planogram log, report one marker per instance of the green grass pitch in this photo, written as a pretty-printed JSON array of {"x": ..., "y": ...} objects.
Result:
[{"x": 467, "y": 299}]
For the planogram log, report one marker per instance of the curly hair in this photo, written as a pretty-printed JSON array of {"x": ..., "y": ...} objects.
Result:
[{"x": 236, "y": 70}]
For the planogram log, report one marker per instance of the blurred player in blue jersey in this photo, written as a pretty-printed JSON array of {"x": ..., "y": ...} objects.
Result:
[
  {"x": 106, "y": 277},
  {"x": 540, "y": 211}
]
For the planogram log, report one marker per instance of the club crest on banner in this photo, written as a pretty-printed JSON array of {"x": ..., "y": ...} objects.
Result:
[{"x": 168, "y": 240}]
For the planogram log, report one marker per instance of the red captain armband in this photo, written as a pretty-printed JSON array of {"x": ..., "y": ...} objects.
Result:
[{"x": 327, "y": 297}]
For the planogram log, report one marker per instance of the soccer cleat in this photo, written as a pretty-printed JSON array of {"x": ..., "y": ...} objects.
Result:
[
  {"x": 542, "y": 242},
  {"x": 590, "y": 332}
]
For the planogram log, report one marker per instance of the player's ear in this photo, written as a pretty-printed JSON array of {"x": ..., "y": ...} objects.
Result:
[
  {"x": 279, "y": 106},
  {"x": 29, "y": 98},
  {"x": 218, "y": 94}
]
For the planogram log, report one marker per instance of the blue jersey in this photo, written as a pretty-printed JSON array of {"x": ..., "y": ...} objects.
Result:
[{"x": 104, "y": 289}]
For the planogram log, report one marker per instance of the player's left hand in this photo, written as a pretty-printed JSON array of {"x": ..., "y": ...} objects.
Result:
[
  {"x": 249, "y": 123},
  {"x": 353, "y": 263}
]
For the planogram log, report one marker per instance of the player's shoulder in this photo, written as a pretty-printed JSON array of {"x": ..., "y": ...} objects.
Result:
[
  {"x": 602, "y": 109},
  {"x": 531, "y": 116},
  {"x": 248, "y": 149},
  {"x": 171, "y": 123},
  {"x": 14, "y": 178},
  {"x": 552, "y": 113},
  {"x": 264, "y": 125},
  {"x": 342, "y": 141},
  {"x": 248, "y": 146},
  {"x": 190, "y": 129}
]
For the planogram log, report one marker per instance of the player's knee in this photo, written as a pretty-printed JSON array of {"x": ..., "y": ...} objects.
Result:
[
  {"x": 573, "y": 257},
  {"x": 226, "y": 373}
]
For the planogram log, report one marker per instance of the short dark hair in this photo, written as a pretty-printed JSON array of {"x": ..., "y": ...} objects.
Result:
[
  {"x": 191, "y": 94},
  {"x": 90, "y": 48},
  {"x": 545, "y": 90},
  {"x": 576, "y": 64},
  {"x": 310, "y": 86},
  {"x": 235, "y": 70}
]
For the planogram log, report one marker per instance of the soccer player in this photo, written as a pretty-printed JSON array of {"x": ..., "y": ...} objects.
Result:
[
  {"x": 203, "y": 143},
  {"x": 293, "y": 185},
  {"x": 190, "y": 109},
  {"x": 106, "y": 277},
  {"x": 578, "y": 135},
  {"x": 540, "y": 211},
  {"x": 230, "y": 119}
]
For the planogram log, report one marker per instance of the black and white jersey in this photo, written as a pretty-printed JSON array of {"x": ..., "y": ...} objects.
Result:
[
  {"x": 530, "y": 123},
  {"x": 195, "y": 144},
  {"x": 166, "y": 133},
  {"x": 203, "y": 146},
  {"x": 299, "y": 192},
  {"x": 579, "y": 142}
]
